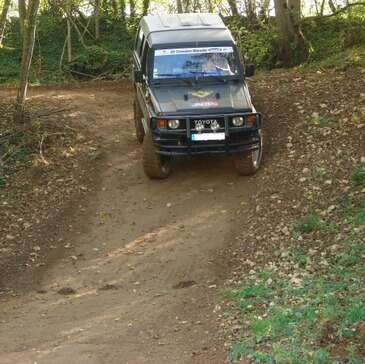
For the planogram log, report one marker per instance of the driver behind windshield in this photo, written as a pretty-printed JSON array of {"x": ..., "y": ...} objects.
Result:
[{"x": 216, "y": 63}]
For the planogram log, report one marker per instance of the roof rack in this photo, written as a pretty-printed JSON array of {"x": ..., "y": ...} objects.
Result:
[
  {"x": 164, "y": 21},
  {"x": 203, "y": 19}
]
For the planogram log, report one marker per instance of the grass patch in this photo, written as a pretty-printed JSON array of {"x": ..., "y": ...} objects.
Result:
[
  {"x": 309, "y": 315},
  {"x": 310, "y": 222},
  {"x": 358, "y": 175},
  {"x": 320, "y": 121}
]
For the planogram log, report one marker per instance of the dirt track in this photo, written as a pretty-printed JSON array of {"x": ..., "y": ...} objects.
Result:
[{"x": 144, "y": 257}]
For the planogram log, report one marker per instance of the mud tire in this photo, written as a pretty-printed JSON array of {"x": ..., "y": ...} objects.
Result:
[
  {"x": 248, "y": 163},
  {"x": 154, "y": 165}
]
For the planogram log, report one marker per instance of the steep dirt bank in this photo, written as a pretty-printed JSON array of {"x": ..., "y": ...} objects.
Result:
[{"x": 305, "y": 241}]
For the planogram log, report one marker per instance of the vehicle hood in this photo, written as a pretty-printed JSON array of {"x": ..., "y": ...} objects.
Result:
[{"x": 227, "y": 98}]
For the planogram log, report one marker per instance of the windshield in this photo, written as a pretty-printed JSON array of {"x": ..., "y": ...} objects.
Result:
[{"x": 194, "y": 62}]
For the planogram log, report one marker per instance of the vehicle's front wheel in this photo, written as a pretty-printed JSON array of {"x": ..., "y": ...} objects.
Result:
[
  {"x": 248, "y": 163},
  {"x": 154, "y": 165},
  {"x": 138, "y": 115}
]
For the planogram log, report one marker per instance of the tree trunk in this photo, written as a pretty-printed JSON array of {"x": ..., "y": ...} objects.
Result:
[
  {"x": 146, "y": 5},
  {"x": 132, "y": 8},
  {"x": 294, "y": 8},
  {"x": 96, "y": 18},
  {"x": 332, "y": 6},
  {"x": 123, "y": 7},
  {"x": 210, "y": 6},
  {"x": 3, "y": 16},
  {"x": 69, "y": 43},
  {"x": 233, "y": 6},
  {"x": 22, "y": 12},
  {"x": 70, "y": 19},
  {"x": 179, "y": 6},
  {"x": 250, "y": 11},
  {"x": 322, "y": 8},
  {"x": 115, "y": 8},
  {"x": 186, "y": 6},
  {"x": 264, "y": 9},
  {"x": 291, "y": 42},
  {"x": 28, "y": 24}
]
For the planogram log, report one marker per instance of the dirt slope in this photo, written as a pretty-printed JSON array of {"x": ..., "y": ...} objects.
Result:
[
  {"x": 128, "y": 271},
  {"x": 109, "y": 266}
]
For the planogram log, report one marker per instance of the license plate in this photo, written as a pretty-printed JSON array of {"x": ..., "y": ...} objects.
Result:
[{"x": 208, "y": 136}]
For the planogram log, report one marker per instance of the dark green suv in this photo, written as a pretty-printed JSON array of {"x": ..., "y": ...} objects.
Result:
[{"x": 191, "y": 93}]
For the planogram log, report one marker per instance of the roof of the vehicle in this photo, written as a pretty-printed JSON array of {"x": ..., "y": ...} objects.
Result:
[{"x": 185, "y": 28}]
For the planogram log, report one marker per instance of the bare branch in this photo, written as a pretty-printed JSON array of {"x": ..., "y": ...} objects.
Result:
[{"x": 314, "y": 18}]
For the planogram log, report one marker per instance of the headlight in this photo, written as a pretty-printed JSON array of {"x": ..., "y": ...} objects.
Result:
[
  {"x": 173, "y": 124},
  {"x": 238, "y": 121}
]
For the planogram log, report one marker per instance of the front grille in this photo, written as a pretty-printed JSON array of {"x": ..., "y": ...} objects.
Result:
[{"x": 206, "y": 121}]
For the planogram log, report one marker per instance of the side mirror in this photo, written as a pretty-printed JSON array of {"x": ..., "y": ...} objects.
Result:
[
  {"x": 138, "y": 75},
  {"x": 250, "y": 70}
]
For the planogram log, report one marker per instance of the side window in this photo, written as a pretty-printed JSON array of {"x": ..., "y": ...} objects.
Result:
[
  {"x": 139, "y": 42},
  {"x": 140, "y": 50},
  {"x": 147, "y": 66},
  {"x": 144, "y": 53}
]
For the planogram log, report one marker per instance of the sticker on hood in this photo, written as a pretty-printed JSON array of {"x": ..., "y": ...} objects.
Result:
[
  {"x": 201, "y": 94},
  {"x": 205, "y": 104}
]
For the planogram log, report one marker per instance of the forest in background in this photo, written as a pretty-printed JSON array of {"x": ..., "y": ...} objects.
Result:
[{"x": 93, "y": 40}]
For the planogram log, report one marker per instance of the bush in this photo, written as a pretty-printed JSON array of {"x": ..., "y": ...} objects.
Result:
[{"x": 258, "y": 45}]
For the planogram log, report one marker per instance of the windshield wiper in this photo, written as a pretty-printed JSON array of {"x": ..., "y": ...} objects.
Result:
[
  {"x": 201, "y": 75},
  {"x": 215, "y": 77},
  {"x": 179, "y": 77}
]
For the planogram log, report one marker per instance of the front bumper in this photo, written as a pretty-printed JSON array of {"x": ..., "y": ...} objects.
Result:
[{"x": 177, "y": 142}]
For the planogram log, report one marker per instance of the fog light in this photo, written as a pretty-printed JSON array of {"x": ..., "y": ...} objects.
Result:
[
  {"x": 174, "y": 123},
  {"x": 199, "y": 126},
  {"x": 214, "y": 125},
  {"x": 237, "y": 121}
]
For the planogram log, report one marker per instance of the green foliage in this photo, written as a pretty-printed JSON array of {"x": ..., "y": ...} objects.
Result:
[
  {"x": 310, "y": 222},
  {"x": 319, "y": 121},
  {"x": 336, "y": 41},
  {"x": 298, "y": 256},
  {"x": 258, "y": 45},
  {"x": 358, "y": 175},
  {"x": 91, "y": 60},
  {"x": 250, "y": 291},
  {"x": 110, "y": 55},
  {"x": 237, "y": 352}
]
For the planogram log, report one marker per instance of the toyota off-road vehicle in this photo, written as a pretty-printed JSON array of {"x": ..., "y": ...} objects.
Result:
[{"x": 191, "y": 95}]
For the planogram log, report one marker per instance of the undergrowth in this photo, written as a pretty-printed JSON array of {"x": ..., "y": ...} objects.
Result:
[
  {"x": 20, "y": 141},
  {"x": 332, "y": 42}
]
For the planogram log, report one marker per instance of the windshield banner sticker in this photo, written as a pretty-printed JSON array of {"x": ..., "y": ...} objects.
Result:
[{"x": 169, "y": 52}]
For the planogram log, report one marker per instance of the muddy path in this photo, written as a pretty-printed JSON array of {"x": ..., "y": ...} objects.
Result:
[{"x": 141, "y": 260}]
